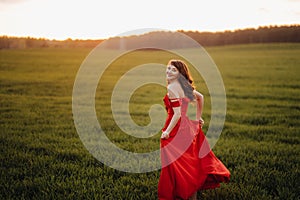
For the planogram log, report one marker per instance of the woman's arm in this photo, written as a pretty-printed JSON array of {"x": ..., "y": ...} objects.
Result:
[
  {"x": 200, "y": 103},
  {"x": 173, "y": 94},
  {"x": 176, "y": 116}
]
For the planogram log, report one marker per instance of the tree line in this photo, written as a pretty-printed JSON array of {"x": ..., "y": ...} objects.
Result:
[
  {"x": 263, "y": 34},
  {"x": 7, "y": 42}
]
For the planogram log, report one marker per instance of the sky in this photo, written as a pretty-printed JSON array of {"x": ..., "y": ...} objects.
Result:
[{"x": 100, "y": 19}]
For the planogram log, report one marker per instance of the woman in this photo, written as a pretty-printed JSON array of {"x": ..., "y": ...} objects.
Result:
[{"x": 184, "y": 172}]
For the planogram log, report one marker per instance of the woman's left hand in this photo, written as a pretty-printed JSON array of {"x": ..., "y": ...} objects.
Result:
[
  {"x": 164, "y": 135},
  {"x": 201, "y": 122}
]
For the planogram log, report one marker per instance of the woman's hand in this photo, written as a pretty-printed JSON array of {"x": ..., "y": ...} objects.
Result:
[
  {"x": 164, "y": 135},
  {"x": 201, "y": 122}
]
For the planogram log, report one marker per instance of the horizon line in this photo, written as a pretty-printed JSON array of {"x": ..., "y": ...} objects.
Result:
[{"x": 178, "y": 30}]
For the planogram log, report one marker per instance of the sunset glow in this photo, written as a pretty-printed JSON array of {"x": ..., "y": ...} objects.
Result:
[{"x": 56, "y": 19}]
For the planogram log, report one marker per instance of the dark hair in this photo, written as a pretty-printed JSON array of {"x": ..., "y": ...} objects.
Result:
[{"x": 185, "y": 79}]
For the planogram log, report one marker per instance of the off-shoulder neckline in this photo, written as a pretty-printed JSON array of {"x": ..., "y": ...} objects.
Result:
[{"x": 176, "y": 98}]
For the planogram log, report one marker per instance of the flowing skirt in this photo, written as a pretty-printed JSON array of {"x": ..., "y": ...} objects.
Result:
[{"x": 188, "y": 164}]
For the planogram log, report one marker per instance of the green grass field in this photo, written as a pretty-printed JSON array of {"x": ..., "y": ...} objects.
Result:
[{"x": 42, "y": 156}]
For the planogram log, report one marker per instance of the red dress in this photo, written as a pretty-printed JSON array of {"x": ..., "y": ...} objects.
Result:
[{"x": 186, "y": 169}]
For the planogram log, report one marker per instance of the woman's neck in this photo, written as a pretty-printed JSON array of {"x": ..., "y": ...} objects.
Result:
[{"x": 171, "y": 81}]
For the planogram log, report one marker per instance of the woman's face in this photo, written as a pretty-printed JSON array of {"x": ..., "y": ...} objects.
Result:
[{"x": 172, "y": 72}]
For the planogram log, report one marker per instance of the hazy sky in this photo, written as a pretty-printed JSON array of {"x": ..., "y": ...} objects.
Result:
[{"x": 61, "y": 19}]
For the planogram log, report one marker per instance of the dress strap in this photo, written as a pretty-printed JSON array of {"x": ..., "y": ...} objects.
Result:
[{"x": 175, "y": 102}]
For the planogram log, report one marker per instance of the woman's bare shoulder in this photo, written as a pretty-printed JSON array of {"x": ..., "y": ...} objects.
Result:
[{"x": 174, "y": 90}]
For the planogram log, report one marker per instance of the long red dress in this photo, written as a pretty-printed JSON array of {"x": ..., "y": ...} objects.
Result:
[{"x": 186, "y": 169}]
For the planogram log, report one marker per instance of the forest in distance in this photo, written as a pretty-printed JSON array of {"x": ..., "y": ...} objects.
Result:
[{"x": 263, "y": 34}]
